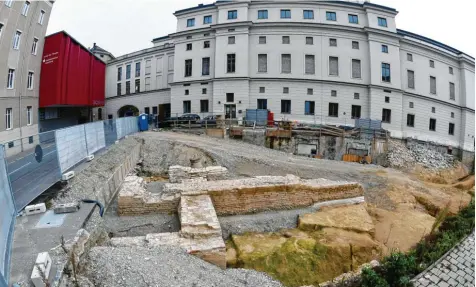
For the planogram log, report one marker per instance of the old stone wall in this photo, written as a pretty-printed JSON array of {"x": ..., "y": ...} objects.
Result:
[
  {"x": 179, "y": 174},
  {"x": 256, "y": 137}
]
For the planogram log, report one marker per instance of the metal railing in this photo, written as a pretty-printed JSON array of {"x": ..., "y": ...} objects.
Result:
[{"x": 7, "y": 220}]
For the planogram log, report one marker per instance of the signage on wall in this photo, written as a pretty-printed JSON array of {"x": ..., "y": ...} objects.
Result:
[{"x": 50, "y": 58}]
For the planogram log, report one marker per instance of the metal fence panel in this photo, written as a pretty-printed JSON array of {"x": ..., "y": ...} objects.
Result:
[
  {"x": 130, "y": 125},
  {"x": 110, "y": 132},
  {"x": 95, "y": 138},
  {"x": 7, "y": 216},
  {"x": 71, "y": 146},
  {"x": 120, "y": 128}
]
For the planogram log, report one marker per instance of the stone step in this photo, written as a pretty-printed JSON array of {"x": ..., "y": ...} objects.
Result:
[{"x": 198, "y": 217}]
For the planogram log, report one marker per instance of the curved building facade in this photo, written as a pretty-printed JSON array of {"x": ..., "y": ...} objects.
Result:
[{"x": 320, "y": 62}]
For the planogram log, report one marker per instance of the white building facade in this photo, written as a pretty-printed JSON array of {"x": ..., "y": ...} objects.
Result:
[{"x": 326, "y": 62}]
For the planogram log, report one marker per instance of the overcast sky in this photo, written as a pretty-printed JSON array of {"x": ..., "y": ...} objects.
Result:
[{"x": 124, "y": 26}]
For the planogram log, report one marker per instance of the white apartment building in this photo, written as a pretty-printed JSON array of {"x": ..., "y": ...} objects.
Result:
[{"x": 324, "y": 62}]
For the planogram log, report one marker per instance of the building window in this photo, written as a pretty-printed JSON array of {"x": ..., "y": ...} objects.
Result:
[
  {"x": 333, "y": 66},
  {"x": 262, "y": 14},
  {"x": 333, "y": 110},
  {"x": 147, "y": 84},
  {"x": 204, "y": 91},
  {"x": 207, "y": 19},
  {"x": 310, "y": 91},
  {"x": 262, "y": 40},
  {"x": 8, "y": 3},
  {"x": 386, "y": 116},
  {"x": 285, "y": 14},
  {"x": 285, "y": 106},
  {"x": 333, "y": 42},
  {"x": 386, "y": 72},
  {"x": 1, "y": 30},
  {"x": 232, "y": 14},
  {"x": 154, "y": 110},
  {"x": 410, "y": 120},
  {"x": 148, "y": 64},
  {"x": 191, "y": 22},
  {"x": 187, "y": 92},
  {"x": 333, "y": 93},
  {"x": 205, "y": 66},
  {"x": 286, "y": 40},
  {"x": 187, "y": 107},
  {"x": 34, "y": 46},
  {"x": 146, "y": 110},
  {"x": 452, "y": 91},
  {"x": 309, "y": 41},
  {"x": 451, "y": 129},
  {"x": 384, "y": 49},
  {"x": 382, "y": 22},
  {"x": 16, "y": 40},
  {"x": 310, "y": 64},
  {"x": 262, "y": 63},
  {"x": 189, "y": 47},
  {"x": 410, "y": 105},
  {"x": 230, "y": 63},
  {"x": 128, "y": 87},
  {"x": 355, "y": 114},
  {"x": 119, "y": 89},
  {"x": 262, "y": 90},
  {"x": 450, "y": 70},
  {"x": 26, "y": 7},
  {"x": 8, "y": 118},
  {"x": 308, "y": 14},
  {"x": 432, "y": 125},
  {"x": 204, "y": 106},
  {"x": 353, "y": 19},
  {"x": 286, "y": 63},
  {"x": 262, "y": 104},
  {"x": 230, "y": 97},
  {"x": 356, "y": 69},
  {"x": 331, "y": 16},
  {"x": 128, "y": 72},
  {"x": 286, "y": 90},
  {"x": 411, "y": 79},
  {"x": 355, "y": 45},
  {"x": 433, "y": 110},
  {"x": 231, "y": 40},
  {"x": 452, "y": 115},
  {"x": 432, "y": 64},
  {"x": 41, "y": 17},
  {"x": 432, "y": 85},
  {"x": 29, "y": 115},
  {"x": 11, "y": 79},
  {"x": 119, "y": 73},
  {"x": 137, "y": 86},
  {"x": 206, "y": 44},
  {"x": 409, "y": 57},
  {"x": 29, "y": 82},
  {"x": 387, "y": 99},
  {"x": 188, "y": 68},
  {"x": 356, "y": 96},
  {"x": 309, "y": 107},
  {"x": 137, "y": 69}
]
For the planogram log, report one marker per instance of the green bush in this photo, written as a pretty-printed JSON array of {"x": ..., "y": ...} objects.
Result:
[
  {"x": 398, "y": 268},
  {"x": 370, "y": 278}
]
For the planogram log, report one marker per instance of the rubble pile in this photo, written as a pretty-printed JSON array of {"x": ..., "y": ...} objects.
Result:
[{"x": 400, "y": 155}]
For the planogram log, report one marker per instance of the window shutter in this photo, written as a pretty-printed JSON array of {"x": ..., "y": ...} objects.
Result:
[
  {"x": 333, "y": 66},
  {"x": 411, "y": 79},
  {"x": 286, "y": 63},
  {"x": 452, "y": 91},
  {"x": 356, "y": 71},
  {"x": 262, "y": 63},
  {"x": 310, "y": 64}
]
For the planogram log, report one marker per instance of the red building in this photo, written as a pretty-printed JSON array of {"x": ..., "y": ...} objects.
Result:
[{"x": 72, "y": 83}]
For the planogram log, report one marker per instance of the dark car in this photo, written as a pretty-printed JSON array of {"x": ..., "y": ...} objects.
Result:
[
  {"x": 189, "y": 118},
  {"x": 209, "y": 120}
]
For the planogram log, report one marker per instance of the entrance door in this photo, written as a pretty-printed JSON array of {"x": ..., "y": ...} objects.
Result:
[{"x": 230, "y": 111}]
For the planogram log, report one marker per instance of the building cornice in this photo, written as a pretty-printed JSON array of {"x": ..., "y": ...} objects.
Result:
[
  {"x": 142, "y": 53},
  {"x": 137, "y": 94}
]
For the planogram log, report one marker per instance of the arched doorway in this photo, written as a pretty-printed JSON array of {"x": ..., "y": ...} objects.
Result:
[{"x": 128, "y": 111}]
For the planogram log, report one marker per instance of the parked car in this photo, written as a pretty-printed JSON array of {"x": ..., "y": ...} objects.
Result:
[
  {"x": 189, "y": 118},
  {"x": 209, "y": 120}
]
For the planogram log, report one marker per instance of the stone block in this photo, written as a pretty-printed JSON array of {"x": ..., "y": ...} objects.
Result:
[{"x": 66, "y": 207}]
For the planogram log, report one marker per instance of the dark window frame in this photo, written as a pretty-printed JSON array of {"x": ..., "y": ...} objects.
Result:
[
  {"x": 309, "y": 13},
  {"x": 262, "y": 14},
  {"x": 262, "y": 104},
  {"x": 331, "y": 16},
  {"x": 333, "y": 110},
  {"x": 231, "y": 63},
  {"x": 207, "y": 19},
  {"x": 204, "y": 106},
  {"x": 232, "y": 14},
  {"x": 432, "y": 126},
  {"x": 286, "y": 15},
  {"x": 311, "y": 105},
  {"x": 188, "y": 68},
  {"x": 386, "y": 116},
  {"x": 411, "y": 120},
  {"x": 353, "y": 19},
  {"x": 386, "y": 77},
  {"x": 382, "y": 22},
  {"x": 451, "y": 129},
  {"x": 356, "y": 111},
  {"x": 190, "y": 22}
]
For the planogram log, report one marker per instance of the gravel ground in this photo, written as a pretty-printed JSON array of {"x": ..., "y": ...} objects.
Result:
[{"x": 164, "y": 266}]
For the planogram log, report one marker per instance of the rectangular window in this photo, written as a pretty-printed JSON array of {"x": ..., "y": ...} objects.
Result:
[
  {"x": 356, "y": 96},
  {"x": 433, "y": 109},
  {"x": 146, "y": 110},
  {"x": 148, "y": 64},
  {"x": 432, "y": 85},
  {"x": 355, "y": 114},
  {"x": 432, "y": 126},
  {"x": 262, "y": 40},
  {"x": 286, "y": 40},
  {"x": 286, "y": 90},
  {"x": 450, "y": 70},
  {"x": 29, "y": 82},
  {"x": 26, "y": 7},
  {"x": 206, "y": 44},
  {"x": 170, "y": 63},
  {"x": 309, "y": 107},
  {"x": 16, "y": 40},
  {"x": 191, "y": 22},
  {"x": 386, "y": 116},
  {"x": 232, "y": 14},
  {"x": 451, "y": 129},
  {"x": 356, "y": 69},
  {"x": 410, "y": 105},
  {"x": 137, "y": 86},
  {"x": 41, "y": 18},
  {"x": 384, "y": 49},
  {"x": 137, "y": 69},
  {"x": 188, "y": 68},
  {"x": 119, "y": 73},
  {"x": 452, "y": 115},
  {"x": 333, "y": 66},
  {"x": 308, "y": 14},
  {"x": 231, "y": 40},
  {"x": 409, "y": 57},
  {"x": 189, "y": 47},
  {"x": 285, "y": 106},
  {"x": 204, "y": 106},
  {"x": 205, "y": 66},
  {"x": 8, "y": 118},
  {"x": 452, "y": 91},
  {"x": 128, "y": 87},
  {"x": 285, "y": 14},
  {"x": 230, "y": 63},
  {"x": 333, "y": 42},
  {"x": 262, "y": 63},
  {"x": 310, "y": 64},
  {"x": 387, "y": 99},
  {"x": 1, "y": 30},
  {"x": 8, "y": 3},
  {"x": 262, "y": 14},
  {"x": 207, "y": 19},
  {"x": 355, "y": 45},
  {"x": 230, "y": 97},
  {"x": 286, "y": 63},
  {"x": 331, "y": 16},
  {"x": 386, "y": 72},
  {"x": 34, "y": 46},
  {"x": 262, "y": 104},
  {"x": 147, "y": 84},
  {"x": 187, "y": 107},
  {"x": 262, "y": 90},
  {"x": 154, "y": 110},
  {"x": 411, "y": 79},
  {"x": 410, "y": 120},
  {"x": 29, "y": 115},
  {"x": 128, "y": 72},
  {"x": 432, "y": 64},
  {"x": 333, "y": 93},
  {"x": 309, "y": 41},
  {"x": 382, "y": 22},
  {"x": 333, "y": 110},
  {"x": 204, "y": 91},
  {"x": 310, "y": 91},
  {"x": 119, "y": 89},
  {"x": 11, "y": 79},
  {"x": 353, "y": 19}
]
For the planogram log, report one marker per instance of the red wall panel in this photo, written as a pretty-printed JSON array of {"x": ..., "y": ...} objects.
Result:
[{"x": 70, "y": 74}]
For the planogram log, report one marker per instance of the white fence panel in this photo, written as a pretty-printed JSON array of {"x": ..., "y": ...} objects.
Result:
[
  {"x": 120, "y": 128},
  {"x": 7, "y": 213},
  {"x": 71, "y": 145},
  {"x": 95, "y": 138},
  {"x": 132, "y": 125}
]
